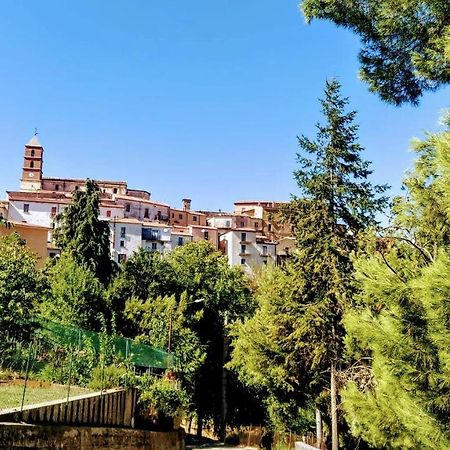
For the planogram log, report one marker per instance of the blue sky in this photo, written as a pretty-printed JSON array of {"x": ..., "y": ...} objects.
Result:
[{"x": 198, "y": 99}]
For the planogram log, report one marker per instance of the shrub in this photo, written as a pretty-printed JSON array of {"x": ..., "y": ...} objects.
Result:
[{"x": 110, "y": 377}]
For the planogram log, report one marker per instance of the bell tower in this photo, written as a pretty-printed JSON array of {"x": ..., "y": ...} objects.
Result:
[{"x": 32, "y": 165}]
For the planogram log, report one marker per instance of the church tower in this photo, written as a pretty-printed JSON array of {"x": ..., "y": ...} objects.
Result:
[{"x": 32, "y": 166}]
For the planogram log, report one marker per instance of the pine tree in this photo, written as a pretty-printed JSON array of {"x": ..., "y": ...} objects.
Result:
[
  {"x": 406, "y": 43},
  {"x": 337, "y": 203},
  {"x": 399, "y": 394},
  {"x": 81, "y": 232}
]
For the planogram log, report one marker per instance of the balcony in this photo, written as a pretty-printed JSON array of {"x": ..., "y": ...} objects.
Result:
[{"x": 150, "y": 235}]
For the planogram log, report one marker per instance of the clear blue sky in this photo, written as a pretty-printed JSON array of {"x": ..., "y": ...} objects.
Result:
[{"x": 199, "y": 99}]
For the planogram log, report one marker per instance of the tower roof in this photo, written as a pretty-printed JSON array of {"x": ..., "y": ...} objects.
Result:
[{"x": 33, "y": 142}]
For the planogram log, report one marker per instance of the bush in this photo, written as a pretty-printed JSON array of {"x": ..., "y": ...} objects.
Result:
[
  {"x": 162, "y": 396},
  {"x": 110, "y": 377}
]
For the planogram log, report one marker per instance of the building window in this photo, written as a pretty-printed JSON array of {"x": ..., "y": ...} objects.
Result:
[
  {"x": 154, "y": 246},
  {"x": 269, "y": 227},
  {"x": 146, "y": 213},
  {"x": 243, "y": 249},
  {"x": 228, "y": 223},
  {"x": 256, "y": 225},
  {"x": 122, "y": 243},
  {"x": 180, "y": 240},
  {"x": 26, "y": 208},
  {"x": 127, "y": 207},
  {"x": 180, "y": 216},
  {"x": 32, "y": 152},
  {"x": 243, "y": 237},
  {"x": 194, "y": 218},
  {"x": 123, "y": 232},
  {"x": 242, "y": 261},
  {"x": 206, "y": 233},
  {"x": 115, "y": 190},
  {"x": 108, "y": 213},
  {"x": 31, "y": 164},
  {"x": 122, "y": 257},
  {"x": 77, "y": 187},
  {"x": 53, "y": 213},
  {"x": 242, "y": 224},
  {"x": 264, "y": 249},
  {"x": 56, "y": 187},
  {"x": 173, "y": 215}
]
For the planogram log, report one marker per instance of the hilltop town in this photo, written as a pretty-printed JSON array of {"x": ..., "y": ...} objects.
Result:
[{"x": 251, "y": 235}]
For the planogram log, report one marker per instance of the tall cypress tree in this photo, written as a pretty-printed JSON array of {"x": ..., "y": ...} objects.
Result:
[
  {"x": 81, "y": 232},
  {"x": 338, "y": 202}
]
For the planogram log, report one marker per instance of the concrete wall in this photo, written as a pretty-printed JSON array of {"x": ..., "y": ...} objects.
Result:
[{"x": 21, "y": 436}]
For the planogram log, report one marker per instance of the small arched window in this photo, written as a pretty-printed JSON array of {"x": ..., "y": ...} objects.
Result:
[
  {"x": 32, "y": 152},
  {"x": 31, "y": 164}
]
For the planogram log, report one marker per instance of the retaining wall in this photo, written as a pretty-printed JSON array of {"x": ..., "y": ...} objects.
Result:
[
  {"x": 115, "y": 407},
  {"x": 25, "y": 436}
]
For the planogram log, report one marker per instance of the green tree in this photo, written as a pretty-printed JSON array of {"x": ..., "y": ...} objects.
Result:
[
  {"x": 193, "y": 292},
  {"x": 74, "y": 296},
  {"x": 80, "y": 231},
  {"x": 338, "y": 203},
  {"x": 145, "y": 275},
  {"x": 20, "y": 286},
  {"x": 406, "y": 43},
  {"x": 398, "y": 394}
]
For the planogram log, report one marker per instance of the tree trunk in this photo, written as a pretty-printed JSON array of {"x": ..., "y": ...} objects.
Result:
[
  {"x": 334, "y": 417},
  {"x": 223, "y": 421},
  {"x": 199, "y": 425},
  {"x": 318, "y": 429}
]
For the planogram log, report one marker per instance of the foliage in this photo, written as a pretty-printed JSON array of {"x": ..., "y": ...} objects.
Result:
[
  {"x": 75, "y": 296},
  {"x": 399, "y": 396},
  {"x": 189, "y": 292},
  {"x": 108, "y": 377},
  {"x": 20, "y": 286},
  {"x": 162, "y": 395},
  {"x": 294, "y": 342},
  {"x": 405, "y": 42},
  {"x": 80, "y": 232},
  {"x": 144, "y": 275}
]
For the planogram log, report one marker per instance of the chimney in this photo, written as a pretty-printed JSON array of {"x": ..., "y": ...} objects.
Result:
[{"x": 186, "y": 204}]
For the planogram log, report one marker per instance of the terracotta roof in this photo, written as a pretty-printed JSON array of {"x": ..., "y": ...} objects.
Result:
[
  {"x": 83, "y": 180},
  {"x": 140, "y": 222},
  {"x": 28, "y": 225},
  {"x": 140, "y": 200},
  {"x": 195, "y": 213},
  {"x": 268, "y": 203},
  {"x": 203, "y": 226}
]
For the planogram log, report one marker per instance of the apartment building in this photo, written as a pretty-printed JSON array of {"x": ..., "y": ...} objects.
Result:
[{"x": 244, "y": 247}]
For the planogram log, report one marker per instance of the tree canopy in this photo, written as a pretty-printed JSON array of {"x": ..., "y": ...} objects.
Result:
[
  {"x": 397, "y": 393},
  {"x": 405, "y": 43},
  {"x": 80, "y": 231}
]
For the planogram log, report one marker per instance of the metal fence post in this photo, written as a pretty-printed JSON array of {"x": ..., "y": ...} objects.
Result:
[
  {"x": 27, "y": 370},
  {"x": 70, "y": 378}
]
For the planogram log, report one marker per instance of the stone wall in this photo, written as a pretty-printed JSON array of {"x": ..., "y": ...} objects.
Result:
[{"x": 23, "y": 436}]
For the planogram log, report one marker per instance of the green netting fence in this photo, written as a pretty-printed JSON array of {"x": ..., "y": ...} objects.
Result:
[
  {"x": 140, "y": 355},
  {"x": 62, "y": 361}
]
